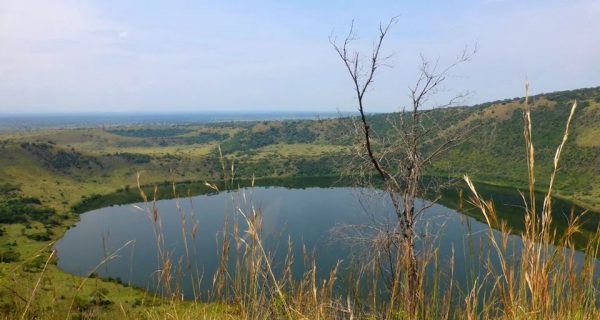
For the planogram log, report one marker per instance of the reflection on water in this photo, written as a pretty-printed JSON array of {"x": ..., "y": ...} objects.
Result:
[{"x": 307, "y": 216}]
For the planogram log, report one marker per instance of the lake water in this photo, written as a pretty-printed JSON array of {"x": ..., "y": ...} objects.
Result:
[{"x": 308, "y": 216}]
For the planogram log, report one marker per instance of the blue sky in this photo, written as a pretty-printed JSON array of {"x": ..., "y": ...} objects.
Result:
[{"x": 157, "y": 56}]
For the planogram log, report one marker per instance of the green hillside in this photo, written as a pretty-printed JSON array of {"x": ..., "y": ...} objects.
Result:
[
  {"x": 46, "y": 175},
  {"x": 495, "y": 152},
  {"x": 62, "y": 165}
]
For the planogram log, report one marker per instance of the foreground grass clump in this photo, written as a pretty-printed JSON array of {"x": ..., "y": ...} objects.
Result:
[{"x": 544, "y": 282}]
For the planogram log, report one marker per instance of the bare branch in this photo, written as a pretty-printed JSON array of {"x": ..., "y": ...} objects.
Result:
[
  {"x": 399, "y": 160},
  {"x": 353, "y": 67}
]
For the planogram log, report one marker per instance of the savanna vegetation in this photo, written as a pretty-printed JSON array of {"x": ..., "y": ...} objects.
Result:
[{"x": 49, "y": 176}]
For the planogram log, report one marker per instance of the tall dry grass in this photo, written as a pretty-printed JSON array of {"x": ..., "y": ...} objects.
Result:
[
  {"x": 253, "y": 286},
  {"x": 543, "y": 280}
]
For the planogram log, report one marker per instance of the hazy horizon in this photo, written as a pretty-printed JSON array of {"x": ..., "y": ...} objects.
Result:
[
  {"x": 175, "y": 112},
  {"x": 94, "y": 56},
  {"x": 35, "y": 121}
]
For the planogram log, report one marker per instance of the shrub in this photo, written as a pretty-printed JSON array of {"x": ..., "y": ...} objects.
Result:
[{"x": 9, "y": 255}]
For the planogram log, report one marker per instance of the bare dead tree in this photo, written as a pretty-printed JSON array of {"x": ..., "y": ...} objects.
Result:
[{"x": 398, "y": 159}]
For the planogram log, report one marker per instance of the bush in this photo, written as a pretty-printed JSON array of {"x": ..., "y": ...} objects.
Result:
[
  {"x": 35, "y": 265},
  {"x": 137, "y": 158},
  {"x": 41, "y": 236},
  {"x": 9, "y": 255},
  {"x": 17, "y": 209}
]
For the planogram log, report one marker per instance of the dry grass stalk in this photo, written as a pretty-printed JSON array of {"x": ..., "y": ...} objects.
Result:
[{"x": 545, "y": 279}]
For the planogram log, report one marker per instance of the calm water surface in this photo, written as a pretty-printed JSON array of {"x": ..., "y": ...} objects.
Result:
[{"x": 307, "y": 216}]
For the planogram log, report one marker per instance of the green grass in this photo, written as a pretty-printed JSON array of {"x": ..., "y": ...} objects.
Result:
[{"x": 265, "y": 149}]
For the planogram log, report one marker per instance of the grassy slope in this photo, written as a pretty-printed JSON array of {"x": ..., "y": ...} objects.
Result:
[
  {"x": 91, "y": 166},
  {"x": 494, "y": 153}
]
